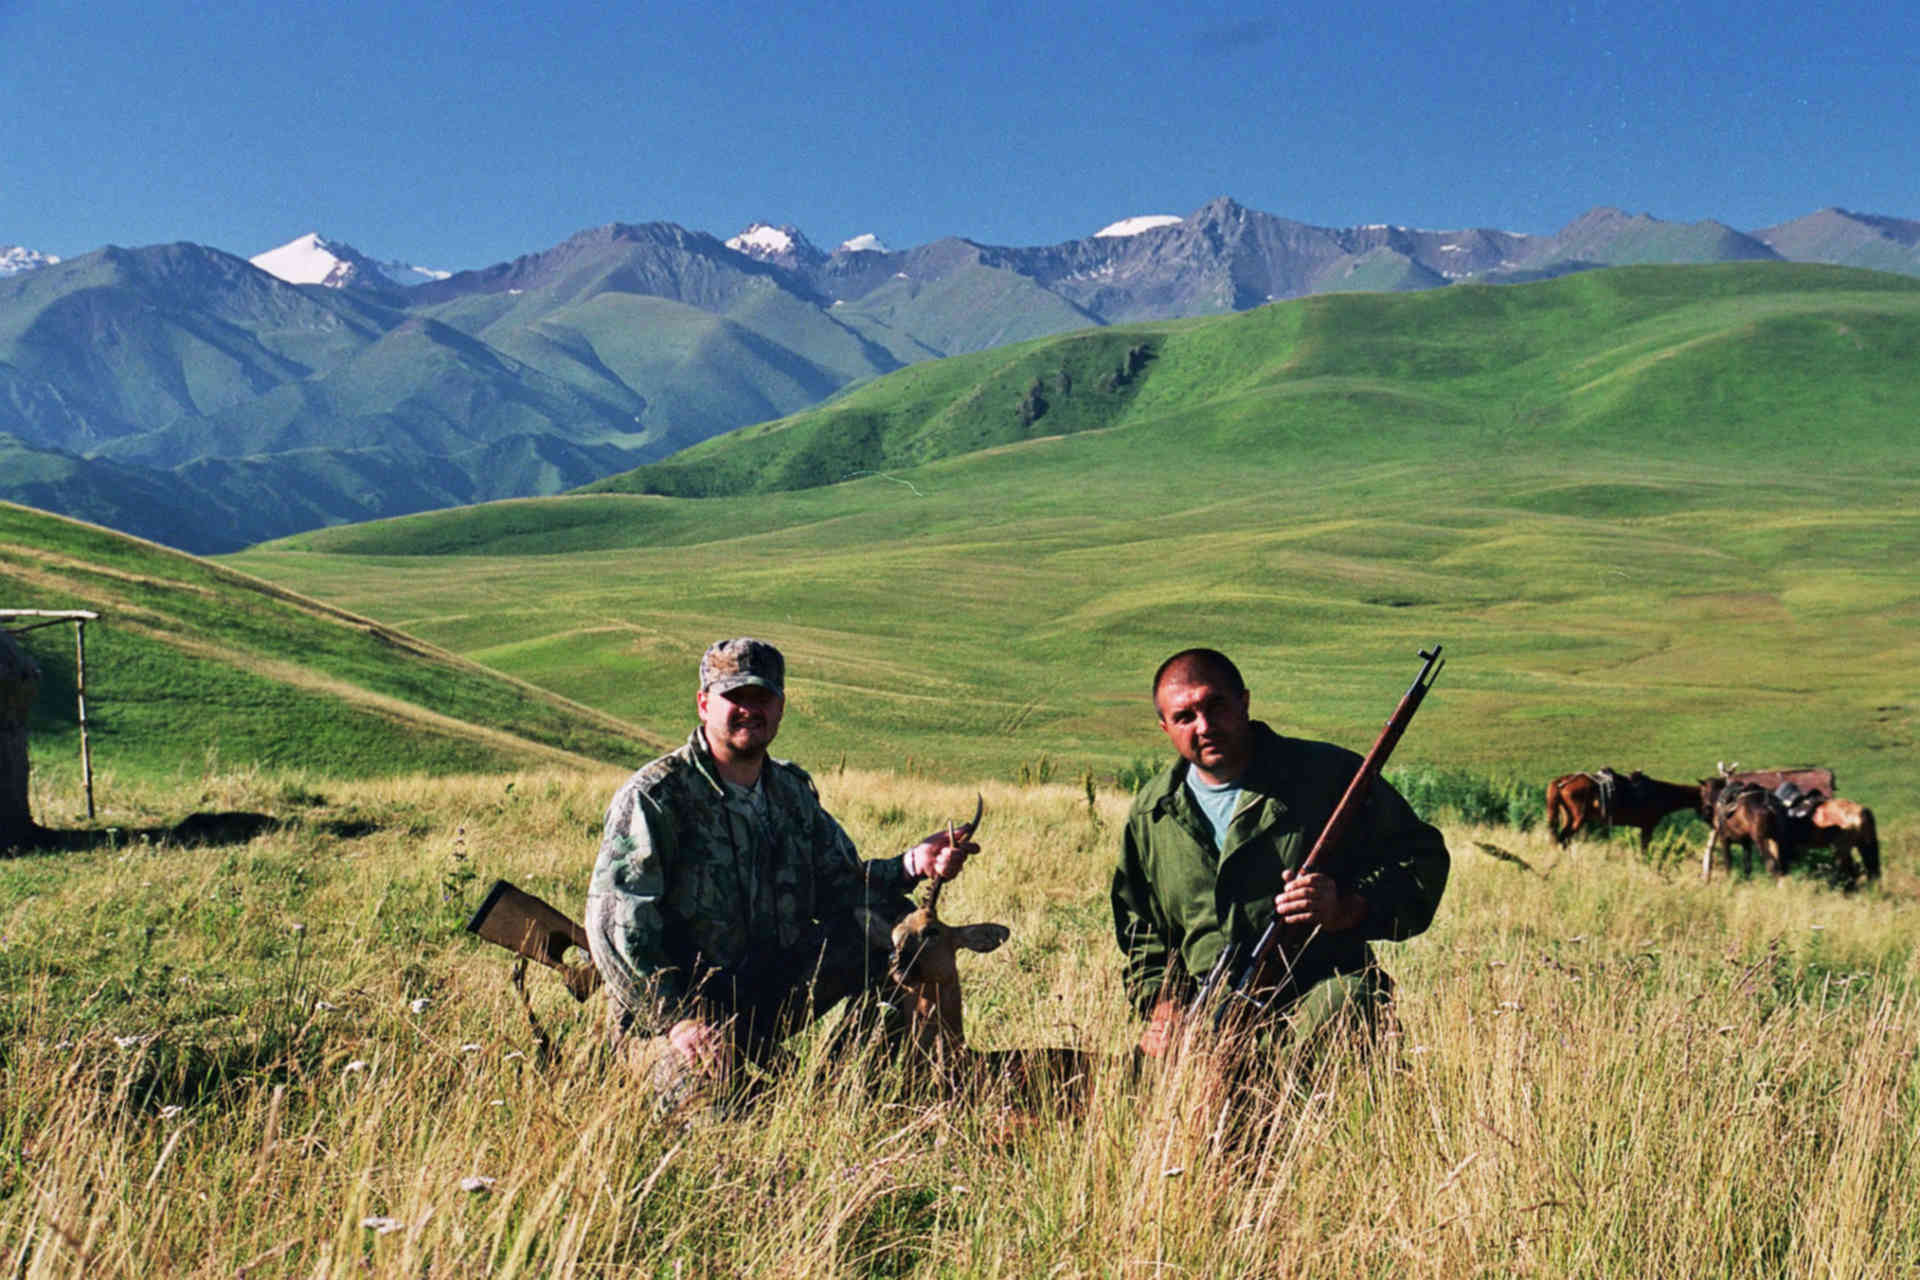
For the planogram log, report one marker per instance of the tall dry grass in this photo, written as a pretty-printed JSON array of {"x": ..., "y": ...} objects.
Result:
[{"x": 284, "y": 1058}]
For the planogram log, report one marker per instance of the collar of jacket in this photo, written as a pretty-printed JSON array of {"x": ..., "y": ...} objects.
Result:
[
  {"x": 702, "y": 760},
  {"x": 1266, "y": 777},
  {"x": 703, "y": 763}
]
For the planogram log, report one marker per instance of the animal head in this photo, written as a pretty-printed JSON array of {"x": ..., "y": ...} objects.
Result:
[{"x": 924, "y": 964}]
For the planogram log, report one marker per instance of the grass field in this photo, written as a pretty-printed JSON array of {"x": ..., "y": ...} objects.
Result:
[
  {"x": 191, "y": 662},
  {"x": 1659, "y": 518},
  {"x": 284, "y": 1058}
]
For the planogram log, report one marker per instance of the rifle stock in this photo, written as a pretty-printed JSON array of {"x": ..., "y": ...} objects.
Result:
[
  {"x": 532, "y": 927},
  {"x": 1240, "y": 977}
]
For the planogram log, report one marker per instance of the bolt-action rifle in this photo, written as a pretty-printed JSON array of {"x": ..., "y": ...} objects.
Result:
[{"x": 1239, "y": 975}]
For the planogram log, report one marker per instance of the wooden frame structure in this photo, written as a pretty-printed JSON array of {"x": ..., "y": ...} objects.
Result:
[{"x": 37, "y": 618}]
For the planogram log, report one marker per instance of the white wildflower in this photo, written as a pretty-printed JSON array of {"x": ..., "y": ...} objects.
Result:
[
  {"x": 324, "y": 1006},
  {"x": 421, "y": 1005},
  {"x": 477, "y": 1182},
  {"x": 171, "y": 1110},
  {"x": 131, "y": 1042},
  {"x": 382, "y": 1225},
  {"x": 358, "y": 1064}
]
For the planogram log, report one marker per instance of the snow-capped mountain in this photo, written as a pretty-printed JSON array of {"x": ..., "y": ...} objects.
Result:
[
  {"x": 1134, "y": 226},
  {"x": 314, "y": 259},
  {"x": 16, "y": 258},
  {"x": 764, "y": 242}
]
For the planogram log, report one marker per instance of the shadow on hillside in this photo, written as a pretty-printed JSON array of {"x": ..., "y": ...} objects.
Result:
[{"x": 196, "y": 830}]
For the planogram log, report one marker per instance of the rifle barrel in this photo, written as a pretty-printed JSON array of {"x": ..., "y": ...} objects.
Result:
[{"x": 1337, "y": 823}]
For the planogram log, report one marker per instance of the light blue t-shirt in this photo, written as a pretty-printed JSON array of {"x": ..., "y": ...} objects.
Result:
[{"x": 1219, "y": 803}]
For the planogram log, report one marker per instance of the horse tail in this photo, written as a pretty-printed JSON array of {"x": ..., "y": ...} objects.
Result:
[
  {"x": 1869, "y": 843},
  {"x": 1559, "y": 813}
]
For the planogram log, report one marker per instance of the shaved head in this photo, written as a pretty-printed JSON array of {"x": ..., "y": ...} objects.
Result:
[{"x": 1195, "y": 666}]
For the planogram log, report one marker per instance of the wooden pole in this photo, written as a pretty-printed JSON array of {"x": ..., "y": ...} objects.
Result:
[
  {"x": 80, "y": 618},
  {"x": 80, "y": 692}
]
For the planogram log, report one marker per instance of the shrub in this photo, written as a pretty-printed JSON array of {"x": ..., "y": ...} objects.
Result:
[{"x": 1440, "y": 795}]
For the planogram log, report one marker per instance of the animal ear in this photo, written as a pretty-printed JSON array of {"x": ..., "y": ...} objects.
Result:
[
  {"x": 980, "y": 937},
  {"x": 874, "y": 925}
]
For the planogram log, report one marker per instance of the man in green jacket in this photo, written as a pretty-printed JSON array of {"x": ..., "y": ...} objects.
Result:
[{"x": 1212, "y": 852}]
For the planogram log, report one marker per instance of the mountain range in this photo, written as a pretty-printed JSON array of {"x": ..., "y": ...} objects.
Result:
[{"x": 193, "y": 397}]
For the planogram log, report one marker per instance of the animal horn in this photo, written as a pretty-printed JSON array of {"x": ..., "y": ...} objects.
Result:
[{"x": 979, "y": 807}]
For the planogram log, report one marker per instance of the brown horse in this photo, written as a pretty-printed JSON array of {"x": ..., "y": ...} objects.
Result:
[
  {"x": 1579, "y": 801},
  {"x": 1743, "y": 814},
  {"x": 1846, "y": 827}
]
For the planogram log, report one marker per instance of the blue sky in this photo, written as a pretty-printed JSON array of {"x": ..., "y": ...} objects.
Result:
[{"x": 457, "y": 135}]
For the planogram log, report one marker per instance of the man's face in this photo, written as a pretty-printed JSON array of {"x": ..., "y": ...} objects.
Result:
[
  {"x": 1207, "y": 721},
  {"x": 740, "y": 722}
]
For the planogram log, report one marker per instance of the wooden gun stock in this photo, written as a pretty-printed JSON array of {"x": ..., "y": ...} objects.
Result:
[{"x": 532, "y": 927}]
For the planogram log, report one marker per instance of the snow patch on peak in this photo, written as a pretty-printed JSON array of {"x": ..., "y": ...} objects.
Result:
[
  {"x": 1135, "y": 225},
  {"x": 17, "y": 258},
  {"x": 314, "y": 259},
  {"x": 866, "y": 242},
  {"x": 760, "y": 239},
  {"x": 311, "y": 259}
]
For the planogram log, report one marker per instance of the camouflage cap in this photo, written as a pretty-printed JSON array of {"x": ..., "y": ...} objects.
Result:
[{"x": 732, "y": 663}]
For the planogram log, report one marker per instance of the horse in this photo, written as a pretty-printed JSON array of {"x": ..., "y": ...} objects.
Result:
[
  {"x": 1577, "y": 801},
  {"x": 1744, "y": 814},
  {"x": 1846, "y": 827}
]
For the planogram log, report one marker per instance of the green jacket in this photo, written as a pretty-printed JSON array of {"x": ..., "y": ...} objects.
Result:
[
  {"x": 1177, "y": 900},
  {"x": 693, "y": 877}
]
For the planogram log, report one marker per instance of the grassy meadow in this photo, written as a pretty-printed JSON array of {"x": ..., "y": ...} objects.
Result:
[
  {"x": 1659, "y": 518},
  {"x": 191, "y": 663},
  {"x": 286, "y": 1058}
]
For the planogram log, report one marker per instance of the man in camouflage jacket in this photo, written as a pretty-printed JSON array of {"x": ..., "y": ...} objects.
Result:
[
  {"x": 1212, "y": 851},
  {"x": 723, "y": 910}
]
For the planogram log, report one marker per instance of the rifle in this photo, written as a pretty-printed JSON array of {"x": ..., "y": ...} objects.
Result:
[
  {"x": 1241, "y": 978},
  {"x": 536, "y": 930}
]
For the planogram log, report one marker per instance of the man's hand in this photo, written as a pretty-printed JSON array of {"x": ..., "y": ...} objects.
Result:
[
  {"x": 1314, "y": 899},
  {"x": 703, "y": 1045},
  {"x": 1163, "y": 1029},
  {"x": 941, "y": 855}
]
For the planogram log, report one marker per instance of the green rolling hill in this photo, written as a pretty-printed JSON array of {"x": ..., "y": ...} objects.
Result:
[
  {"x": 192, "y": 663},
  {"x": 1659, "y": 516}
]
